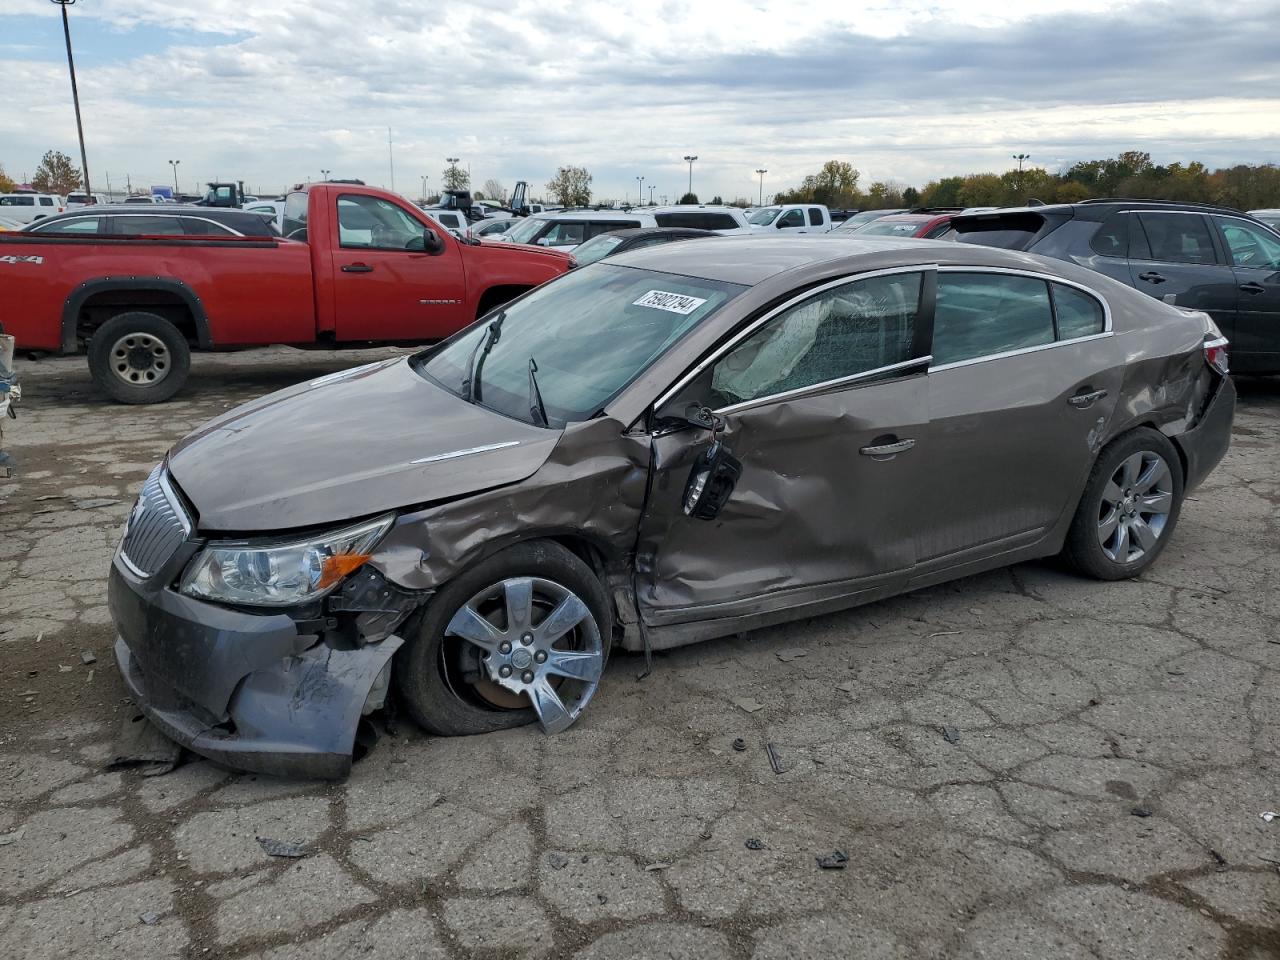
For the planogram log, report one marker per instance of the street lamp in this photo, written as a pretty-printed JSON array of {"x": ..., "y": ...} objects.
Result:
[
  {"x": 651, "y": 195},
  {"x": 75, "y": 93},
  {"x": 1020, "y": 157},
  {"x": 325, "y": 173},
  {"x": 424, "y": 188},
  {"x": 689, "y": 160},
  {"x": 762, "y": 172},
  {"x": 453, "y": 164},
  {"x": 174, "y": 164},
  {"x": 640, "y": 193}
]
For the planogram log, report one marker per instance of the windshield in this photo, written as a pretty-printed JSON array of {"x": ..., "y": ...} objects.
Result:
[
  {"x": 591, "y": 332},
  {"x": 596, "y": 248},
  {"x": 762, "y": 218},
  {"x": 525, "y": 230},
  {"x": 886, "y": 227}
]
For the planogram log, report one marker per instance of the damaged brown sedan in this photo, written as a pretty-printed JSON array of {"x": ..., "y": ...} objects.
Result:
[{"x": 680, "y": 443}]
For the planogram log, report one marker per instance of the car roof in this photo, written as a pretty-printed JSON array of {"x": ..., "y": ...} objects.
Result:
[
  {"x": 589, "y": 215},
  {"x": 632, "y": 233}
]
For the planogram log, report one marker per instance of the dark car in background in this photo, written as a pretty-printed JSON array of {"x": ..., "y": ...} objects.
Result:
[
  {"x": 155, "y": 221},
  {"x": 621, "y": 241},
  {"x": 921, "y": 224},
  {"x": 678, "y": 443},
  {"x": 1208, "y": 258}
]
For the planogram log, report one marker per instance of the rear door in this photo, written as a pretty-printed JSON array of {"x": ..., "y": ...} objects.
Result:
[
  {"x": 1173, "y": 257},
  {"x": 1255, "y": 263},
  {"x": 823, "y": 401},
  {"x": 1023, "y": 379},
  {"x": 384, "y": 288}
]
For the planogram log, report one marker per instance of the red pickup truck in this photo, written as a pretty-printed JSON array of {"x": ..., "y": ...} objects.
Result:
[{"x": 357, "y": 266}]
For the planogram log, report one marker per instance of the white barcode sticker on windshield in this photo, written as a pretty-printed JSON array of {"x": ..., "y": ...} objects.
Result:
[{"x": 671, "y": 302}]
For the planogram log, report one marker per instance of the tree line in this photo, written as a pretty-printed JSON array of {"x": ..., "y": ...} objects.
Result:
[{"x": 1132, "y": 175}]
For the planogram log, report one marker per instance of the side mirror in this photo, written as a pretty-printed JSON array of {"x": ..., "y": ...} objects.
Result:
[
  {"x": 543, "y": 241},
  {"x": 432, "y": 243},
  {"x": 716, "y": 471}
]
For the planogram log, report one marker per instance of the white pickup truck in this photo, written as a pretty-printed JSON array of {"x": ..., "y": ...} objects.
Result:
[{"x": 791, "y": 218}]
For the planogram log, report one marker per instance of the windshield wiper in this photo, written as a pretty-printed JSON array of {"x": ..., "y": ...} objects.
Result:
[
  {"x": 475, "y": 363},
  {"x": 537, "y": 410}
]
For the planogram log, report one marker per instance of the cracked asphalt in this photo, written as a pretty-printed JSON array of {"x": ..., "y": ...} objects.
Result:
[{"x": 1020, "y": 764}]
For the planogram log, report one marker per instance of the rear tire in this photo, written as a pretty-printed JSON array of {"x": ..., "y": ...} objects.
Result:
[
  {"x": 1129, "y": 508},
  {"x": 436, "y": 672},
  {"x": 139, "y": 357}
]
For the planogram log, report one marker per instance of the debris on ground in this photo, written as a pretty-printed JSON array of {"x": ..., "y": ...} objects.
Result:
[
  {"x": 282, "y": 848},
  {"x": 1141, "y": 812},
  {"x": 739, "y": 744},
  {"x": 775, "y": 760},
  {"x": 141, "y": 744},
  {"x": 747, "y": 704},
  {"x": 557, "y": 861},
  {"x": 1219, "y": 859},
  {"x": 95, "y": 504},
  {"x": 14, "y": 837},
  {"x": 63, "y": 668},
  {"x": 1269, "y": 815},
  {"x": 791, "y": 653},
  {"x": 87, "y": 657},
  {"x": 149, "y": 918},
  {"x": 835, "y": 860},
  {"x": 945, "y": 633},
  {"x": 949, "y": 733},
  {"x": 656, "y": 866},
  {"x": 849, "y": 686},
  {"x": 754, "y": 844}
]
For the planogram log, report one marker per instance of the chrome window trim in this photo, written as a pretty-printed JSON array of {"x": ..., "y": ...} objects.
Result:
[
  {"x": 1107, "y": 328},
  {"x": 787, "y": 305},
  {"x": 824, "y": 385}
]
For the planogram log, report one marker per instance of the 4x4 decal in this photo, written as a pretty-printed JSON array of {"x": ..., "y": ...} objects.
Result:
[{"x": 12, "y": 259}]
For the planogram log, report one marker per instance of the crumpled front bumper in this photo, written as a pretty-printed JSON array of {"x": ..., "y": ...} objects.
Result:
[{"x": 246, "y": 690}]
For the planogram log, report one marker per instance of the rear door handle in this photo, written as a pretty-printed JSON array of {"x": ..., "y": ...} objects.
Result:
[
  {"x": 1151, "y": 277},
  {"x": 356, "y": 268},
  {"x": 1252, "y": 287},
  {"x": 1082, "y": 400},
  {"x": 888, "y": 449}
]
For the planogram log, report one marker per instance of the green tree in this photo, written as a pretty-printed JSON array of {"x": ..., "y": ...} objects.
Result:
[
  {"x": 881, "y": 195},
  {"x": 455, "y": 177},
  {"x": 56, "y": 174},
  {"x": 718, "y": 200},
  {"x": 571, "y": 186},
  {"x": 982, "y": 190},
  {"x": 1071, "y": 191},
  {"x": 689, "y": 198},
  {"x": 7, "y": 184},
  {"x": 910, "y": 197},
  {"x": 942, "y": 193}
]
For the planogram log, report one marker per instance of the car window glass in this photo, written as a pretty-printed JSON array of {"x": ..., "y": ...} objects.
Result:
[
  {"x": 200, "y": 227},
  {"x": 792, "y": 218},
  {"x": 1177, "y": 237},
  {"x": 1250, "y": 246},
  {"x": 890, "y": 228},
  {"x": 983, "y": 314},
  {"x": 376, "y": 224},
  {"x": 46, "y": 201},
  {"x": 851, "y": 329},
  {"x": 73, "y": 226},
  {"x": 565, "y": 232},
  {"x": 18, "y": 201},
  {"x": 143, "y": 225},
  {"x": 815, "y": 217},
  {"x": 1111, "y": 239},
  {"x": 1079, "y": 315}
]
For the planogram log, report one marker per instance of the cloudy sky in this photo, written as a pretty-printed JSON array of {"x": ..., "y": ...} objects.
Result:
[{"x": 275, "y": 92}]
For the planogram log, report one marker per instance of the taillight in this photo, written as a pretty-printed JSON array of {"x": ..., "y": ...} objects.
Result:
[{"x": 1215, "y": 353}]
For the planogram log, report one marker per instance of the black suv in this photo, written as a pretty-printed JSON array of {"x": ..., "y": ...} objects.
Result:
[
  {"x": 1208, "y": 258},
  {"x": 156, "y": 220}
]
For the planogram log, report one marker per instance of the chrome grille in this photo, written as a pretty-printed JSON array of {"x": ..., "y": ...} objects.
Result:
[{"x": 156, "y": 528}]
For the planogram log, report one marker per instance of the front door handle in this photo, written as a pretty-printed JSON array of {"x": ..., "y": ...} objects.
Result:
[
  {"x": 1252, "y": 287},
  {"x": 1082, "y": 400},
  {"x": 1151, "y": 277},
  {"x": 887, "y": 450},
  {"x": 356, "y": 268}
]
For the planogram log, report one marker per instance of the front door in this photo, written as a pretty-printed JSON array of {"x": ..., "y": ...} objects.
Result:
[
  {"x": 1025, "y": 377},
  {"x": 823, "y": 402},
  {"x": 383, "y": 288},
  {"x": 1255, "y": 258},
  {"x": 1173, "y": 258}
]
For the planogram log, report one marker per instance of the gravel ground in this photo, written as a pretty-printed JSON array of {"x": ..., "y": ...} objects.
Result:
[{"x": 1096, "y": 792}]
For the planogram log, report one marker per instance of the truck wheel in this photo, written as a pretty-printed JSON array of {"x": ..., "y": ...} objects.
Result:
[{"x": 139, "y": 357}]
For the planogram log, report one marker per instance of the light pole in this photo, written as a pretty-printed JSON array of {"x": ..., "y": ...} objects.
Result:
[
  {"x": 453, "y": 165},
  {"x": 75, "y": 93},
  {"x": 762, "y": 171},
  {"x": 424, "y": 188},
  {"x": 174, "y": 164},
  {"x": 651, "y": 195},
  {"x": 325, "y": 173},
  {"x": 640, "y": 192},
  {"x": 1020, "y": 157},
  {"x": 689, "y": 158}
]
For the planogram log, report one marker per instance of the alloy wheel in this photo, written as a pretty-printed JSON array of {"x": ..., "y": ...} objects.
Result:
[
  {"x": 538, "y": 643},
  {"x": 1135, "y": 507},
  {"x": 140, "y": 359}
]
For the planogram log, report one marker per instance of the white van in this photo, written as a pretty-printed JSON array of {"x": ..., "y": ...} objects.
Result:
[{"x": 26, "y": 207}]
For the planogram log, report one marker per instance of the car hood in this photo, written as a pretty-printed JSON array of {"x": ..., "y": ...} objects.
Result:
[{"x": 348, "y": 445}]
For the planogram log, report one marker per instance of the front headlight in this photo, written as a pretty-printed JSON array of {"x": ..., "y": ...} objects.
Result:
[{"x": 281, "y": 574}]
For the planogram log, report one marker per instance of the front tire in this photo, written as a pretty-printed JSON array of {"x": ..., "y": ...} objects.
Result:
[
  {"x": 1129, "y": 508},
  {"x": 521, "y": 636},
  {"x": 139, "y": 357}
]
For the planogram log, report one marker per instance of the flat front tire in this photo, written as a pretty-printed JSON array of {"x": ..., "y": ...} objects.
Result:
[
  {"x": 1129, "y": 509},
  {"x": 139, "y": 357},
  {"x": 521, "y": 637}
]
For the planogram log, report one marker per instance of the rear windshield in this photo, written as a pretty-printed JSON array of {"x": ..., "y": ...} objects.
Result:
[
  {"x": 884, "y": 227},
  {"x": 1015, "y": 232}
]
